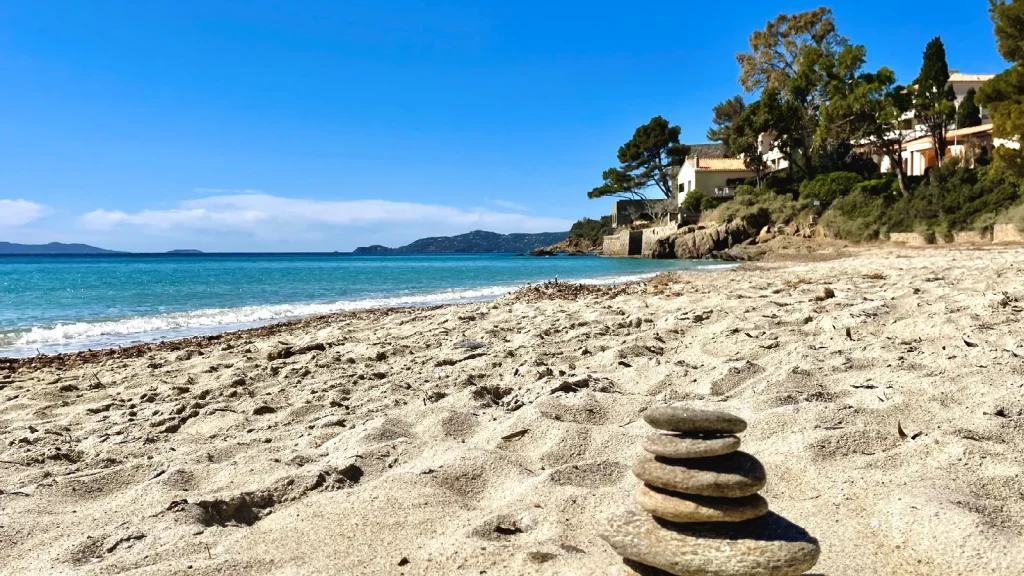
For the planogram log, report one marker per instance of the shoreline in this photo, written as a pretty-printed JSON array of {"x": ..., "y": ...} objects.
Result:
[
  {"x": 498, "y": 435},
  {"x": 100, "y": 333}
]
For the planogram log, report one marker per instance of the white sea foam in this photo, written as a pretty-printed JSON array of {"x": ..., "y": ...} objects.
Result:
[{"x": 80, "y": 335}]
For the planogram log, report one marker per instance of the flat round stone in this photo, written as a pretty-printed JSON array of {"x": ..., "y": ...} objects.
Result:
[
  {"x": 765, "y": 546},
  {"x": 729, "y": 476},
  {"x": 688, "y": 508},
  {"x": 690, "y": 445},
  {"x": 682, "y": 418}
]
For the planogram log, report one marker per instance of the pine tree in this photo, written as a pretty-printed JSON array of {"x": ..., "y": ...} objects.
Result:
[
  {"x": 1004, "y": 94},
  {"x": 968, "y": 114},
  {"x": 934, "y": 99}
]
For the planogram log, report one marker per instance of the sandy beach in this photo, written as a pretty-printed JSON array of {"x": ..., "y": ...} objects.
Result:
[{"x": 496, "y": 438}]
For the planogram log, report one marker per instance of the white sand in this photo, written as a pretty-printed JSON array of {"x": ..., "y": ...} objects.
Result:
[{"x": 89, "y": 485}]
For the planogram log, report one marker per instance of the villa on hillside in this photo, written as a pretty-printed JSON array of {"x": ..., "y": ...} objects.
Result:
[
  {"x": 712, "y": 176},
  {"x": 918, "y": 151},
  {"x": 967, "y": 143}
]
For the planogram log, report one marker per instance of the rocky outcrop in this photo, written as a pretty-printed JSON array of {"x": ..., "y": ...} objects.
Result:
[
  {"x": 704, "y": 240},
  {"x": 573, "y": 247}
]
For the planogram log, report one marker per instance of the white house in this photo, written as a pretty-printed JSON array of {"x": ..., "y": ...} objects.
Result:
[
  {"x": 710, "y": 175},
  {"x": 961, "y": 83},
  {"x": 918, "y": 152}
]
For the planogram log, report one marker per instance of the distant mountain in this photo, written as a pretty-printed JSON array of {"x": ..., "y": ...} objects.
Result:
[
  {"x": 184, "y": 251},
  {"x": 52, "y": 248},
  {"x": 477, "y": 241}
]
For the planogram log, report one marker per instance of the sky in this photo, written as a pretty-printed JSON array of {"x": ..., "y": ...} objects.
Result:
[{"x": 322, "y": 126}]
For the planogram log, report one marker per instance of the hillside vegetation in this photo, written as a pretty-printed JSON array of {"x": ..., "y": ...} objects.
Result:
[{"x": 834, "y": 122}]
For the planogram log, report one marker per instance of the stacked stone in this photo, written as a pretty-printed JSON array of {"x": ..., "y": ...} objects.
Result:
[{"x": 701, "y": 511}]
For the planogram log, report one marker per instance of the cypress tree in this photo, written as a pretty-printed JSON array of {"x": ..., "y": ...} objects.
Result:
[
  {"x": 968, "y": 114},
  {"x": 934, "y": 99}
]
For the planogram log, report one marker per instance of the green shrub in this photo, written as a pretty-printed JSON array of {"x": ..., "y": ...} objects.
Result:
[
  {"x": 879, "y": 187},
  {"x": 827, "y": 188},
  {"x": 858, "y": 217},
  {"x": 762, "y": 205},
  {"x": 592, "y": 230},
  {"x": 1014, "y": 215},
  {"x": 697, "y": 202}
]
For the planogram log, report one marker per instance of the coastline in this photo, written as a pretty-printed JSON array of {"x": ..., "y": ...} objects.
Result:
[
  {"x": 390, "y": 440},
  {"x": 45, "y": 324}
]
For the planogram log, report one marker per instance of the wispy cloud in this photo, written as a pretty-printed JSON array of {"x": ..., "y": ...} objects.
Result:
[
  {"x": 256, "y": 211},
  {"x": 509, "y": 205},
  {"x": 19, "y": 212}
]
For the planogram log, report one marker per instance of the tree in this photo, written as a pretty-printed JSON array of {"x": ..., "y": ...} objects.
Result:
[
  {"x": 647, "y": 160},
  {"x": 739, "y": 128},
  {"x": 753, "y": 122},
  {"x": 968, "y": 114},
  {"x": 871, "y": 107},
  {"x": 934, "y": 99},
  {"x": 1004, "y": 94},
  {"x": 794, "y": 59},
  {"x": 725, "y": 117}
]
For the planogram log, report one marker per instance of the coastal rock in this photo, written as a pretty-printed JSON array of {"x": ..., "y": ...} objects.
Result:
[
  {"x": 690, "y": 445},
  {"x": 688, "y": 508},
  {"x": 703, "y": 241},
  {"x": 682, "y": 418},
  {"x": 729, "y": 476},
  {"x": 766, "y": 546}
]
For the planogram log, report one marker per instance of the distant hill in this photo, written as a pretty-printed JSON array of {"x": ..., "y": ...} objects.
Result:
[
  {"x": 184, "y": 251},
  {"x": 477, "y": 241},
  {"x": 52, "y": 248}
]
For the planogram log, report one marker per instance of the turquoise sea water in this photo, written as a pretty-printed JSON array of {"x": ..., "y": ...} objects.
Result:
[{"x": 59, "y": 303}]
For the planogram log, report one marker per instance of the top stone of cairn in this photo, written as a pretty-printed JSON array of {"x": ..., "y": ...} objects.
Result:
[{"x": 682, "y": 418}]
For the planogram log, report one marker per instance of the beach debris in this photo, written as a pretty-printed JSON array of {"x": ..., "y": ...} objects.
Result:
[
  {"x": 904, "y": 436},
  {"x": 699, "y": 507},
  {"x": 470, "y": 345},
  {"x": 263, "y": 409},
  {"x": 849, "y": 333},
  {"x": 541, "y": 557},
  {"x": 826, "y": 294},
  {"x": 515, "y": 435},
  {"x": 289, "y": 351},
  {"x": 970, "y": 344}
]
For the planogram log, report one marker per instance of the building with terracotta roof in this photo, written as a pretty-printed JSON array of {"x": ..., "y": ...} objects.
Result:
[
  {"x": 712, "y": 176},
  {"x": 966, "y": 143}
]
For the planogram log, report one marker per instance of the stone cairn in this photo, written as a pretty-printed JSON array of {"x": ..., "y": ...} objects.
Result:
[{"x": 701, "y": 511}]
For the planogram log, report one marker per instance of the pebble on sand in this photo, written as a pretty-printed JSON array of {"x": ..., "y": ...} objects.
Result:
[
  {"x": 730, "y": 476},
  {"x": 766, "y": 546},
  {"x": 690, "y": 445},
  {"x": 688, "y": 508},
  {"x": 682, "y": 418}
]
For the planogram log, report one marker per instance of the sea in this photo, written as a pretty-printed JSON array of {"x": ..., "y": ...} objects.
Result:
[{"x": 52, "y": 304}]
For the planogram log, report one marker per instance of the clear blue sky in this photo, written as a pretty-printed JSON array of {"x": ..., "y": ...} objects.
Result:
[{"x": 325, "y": 125}]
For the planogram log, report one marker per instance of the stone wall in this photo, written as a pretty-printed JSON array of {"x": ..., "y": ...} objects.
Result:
[
  {"x": 625, "y": 212},
  {"x": 970, "y": 237},
  {"x": 1006, "y": 233},
  {"x": 651, "y": 236},
  {"x": 908, "y": 238},
  {"x": 623, "y": 243}
]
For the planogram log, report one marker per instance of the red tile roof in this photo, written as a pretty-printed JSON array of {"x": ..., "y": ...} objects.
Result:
[{"x": 719, "y": 164}]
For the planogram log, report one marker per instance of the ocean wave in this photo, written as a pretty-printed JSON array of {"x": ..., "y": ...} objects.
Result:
[
  {"x": 246, "y": 315},
  {"x": 147, "y": 328}
]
